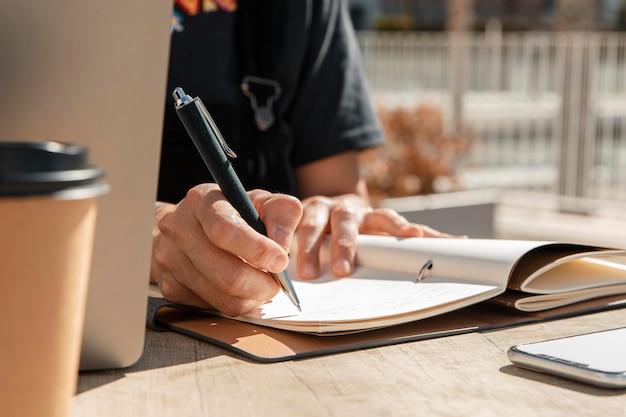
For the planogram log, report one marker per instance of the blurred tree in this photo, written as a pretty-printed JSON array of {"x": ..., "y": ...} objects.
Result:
[{"x": 418, "y": 152}]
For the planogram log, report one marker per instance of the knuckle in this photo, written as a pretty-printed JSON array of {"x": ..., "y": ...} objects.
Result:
[
  {"x": 289, "y": 205},
  {"x": 236, "y": 307},
  {"x": 308, "y": 226},
  {"x": 259, "y": 194},
  {"x": 344, "y": 242},
  {"x": 317, "y": 200},
  {"x": 258, "y": 257},
  {"x": 220, "y": 231},
  {"x": 344, "y": 211},
  {"x": 163, "y": 259},
  {"x": 234, "y": 284},
  {"x": 385, "y": 212},
  {"x": 171, "y": 290},
  {"x": 196, "y": 194},
  {"x": 166, "y": 224},
  {"x": 222, "y": 227}
]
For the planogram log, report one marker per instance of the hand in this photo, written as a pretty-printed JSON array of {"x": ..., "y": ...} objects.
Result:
[
  {"x": 344, "y": 217},
  {"x": 204, "y": 254}
]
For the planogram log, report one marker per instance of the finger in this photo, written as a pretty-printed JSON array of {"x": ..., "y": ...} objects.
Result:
[
  {"x": 344, "y": 226},
  {"x": 280, "y": 213},
  {"x": 236, "y": 290},
  {"x": 311, "y": 231},
  {"x": 227, "y": 282},
  {"x": 389, "y": 222},
  {"x": 204, "y": 294},
  {"x": 224, "y": 228},
  {"x": 205, "y": 276},
  {"x": 172, "y": 291},
  {"x": 428, "y": 231},
  {"x": 166, "y": 259}
]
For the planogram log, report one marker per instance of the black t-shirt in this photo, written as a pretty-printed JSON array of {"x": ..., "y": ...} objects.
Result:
[{"x": 323, "y": 108}]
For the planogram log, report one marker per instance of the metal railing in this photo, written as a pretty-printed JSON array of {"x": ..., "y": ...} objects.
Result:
[{"x": 548, "y": 109}]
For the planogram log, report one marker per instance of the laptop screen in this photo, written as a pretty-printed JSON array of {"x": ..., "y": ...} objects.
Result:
[{"x": 94, "y": 73}]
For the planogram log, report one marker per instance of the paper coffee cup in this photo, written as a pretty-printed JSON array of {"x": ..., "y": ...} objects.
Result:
[{"x": 48, "y": 209}]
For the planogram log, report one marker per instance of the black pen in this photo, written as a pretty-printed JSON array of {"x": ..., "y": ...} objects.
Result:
[{"x": 213, "y": 149}]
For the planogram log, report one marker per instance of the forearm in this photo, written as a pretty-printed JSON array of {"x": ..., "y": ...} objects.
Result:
[{"x": 336, "y": 177}]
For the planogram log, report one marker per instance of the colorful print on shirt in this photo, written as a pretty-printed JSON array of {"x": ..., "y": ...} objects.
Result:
[{"x": 193, "y": 7}]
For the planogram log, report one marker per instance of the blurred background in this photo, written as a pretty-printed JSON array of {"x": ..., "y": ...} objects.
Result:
[{"x": 518, "y": 104}]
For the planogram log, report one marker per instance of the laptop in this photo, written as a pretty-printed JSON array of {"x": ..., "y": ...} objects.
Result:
[{"x": 94, "y": 73}]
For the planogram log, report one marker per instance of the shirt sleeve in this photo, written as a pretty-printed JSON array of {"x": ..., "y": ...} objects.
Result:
[{"x": 332, "y": 111}]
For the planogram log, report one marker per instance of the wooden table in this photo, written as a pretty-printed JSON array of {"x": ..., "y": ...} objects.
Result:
[{"x": 465, "y": 375}]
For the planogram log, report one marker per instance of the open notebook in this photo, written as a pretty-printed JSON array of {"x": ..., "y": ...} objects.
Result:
[{"x": 406, "y": 289}]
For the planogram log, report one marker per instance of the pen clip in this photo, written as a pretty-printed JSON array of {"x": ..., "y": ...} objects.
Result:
[
  {"x": 427, "y": 266},
  {"x": 216, "y": 131}
]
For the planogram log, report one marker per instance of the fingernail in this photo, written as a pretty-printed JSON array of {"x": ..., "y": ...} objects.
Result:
[
  {"x": 341, "y": 267},
  {"x": 282, "y": 236},
  {"x": 309, "y": 271}
]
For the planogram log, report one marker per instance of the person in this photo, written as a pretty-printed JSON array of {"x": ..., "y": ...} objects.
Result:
[{"x": 300, "y": 64}]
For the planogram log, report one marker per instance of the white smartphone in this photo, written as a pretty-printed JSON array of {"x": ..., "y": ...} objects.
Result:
[{"x": 597, "y": 358}]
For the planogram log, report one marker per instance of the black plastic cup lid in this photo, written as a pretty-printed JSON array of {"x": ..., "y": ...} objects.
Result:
[{"x": 48, "y": 169}]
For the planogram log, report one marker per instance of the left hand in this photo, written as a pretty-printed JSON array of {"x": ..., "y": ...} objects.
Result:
[{"x": 344, "y": 217}]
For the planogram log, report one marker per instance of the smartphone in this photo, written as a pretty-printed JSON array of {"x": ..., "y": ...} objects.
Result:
[{"x": 597, "y": 358}]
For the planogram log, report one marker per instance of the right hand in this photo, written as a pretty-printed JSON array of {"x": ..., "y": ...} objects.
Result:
[{"x": 205, "y": 255}]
